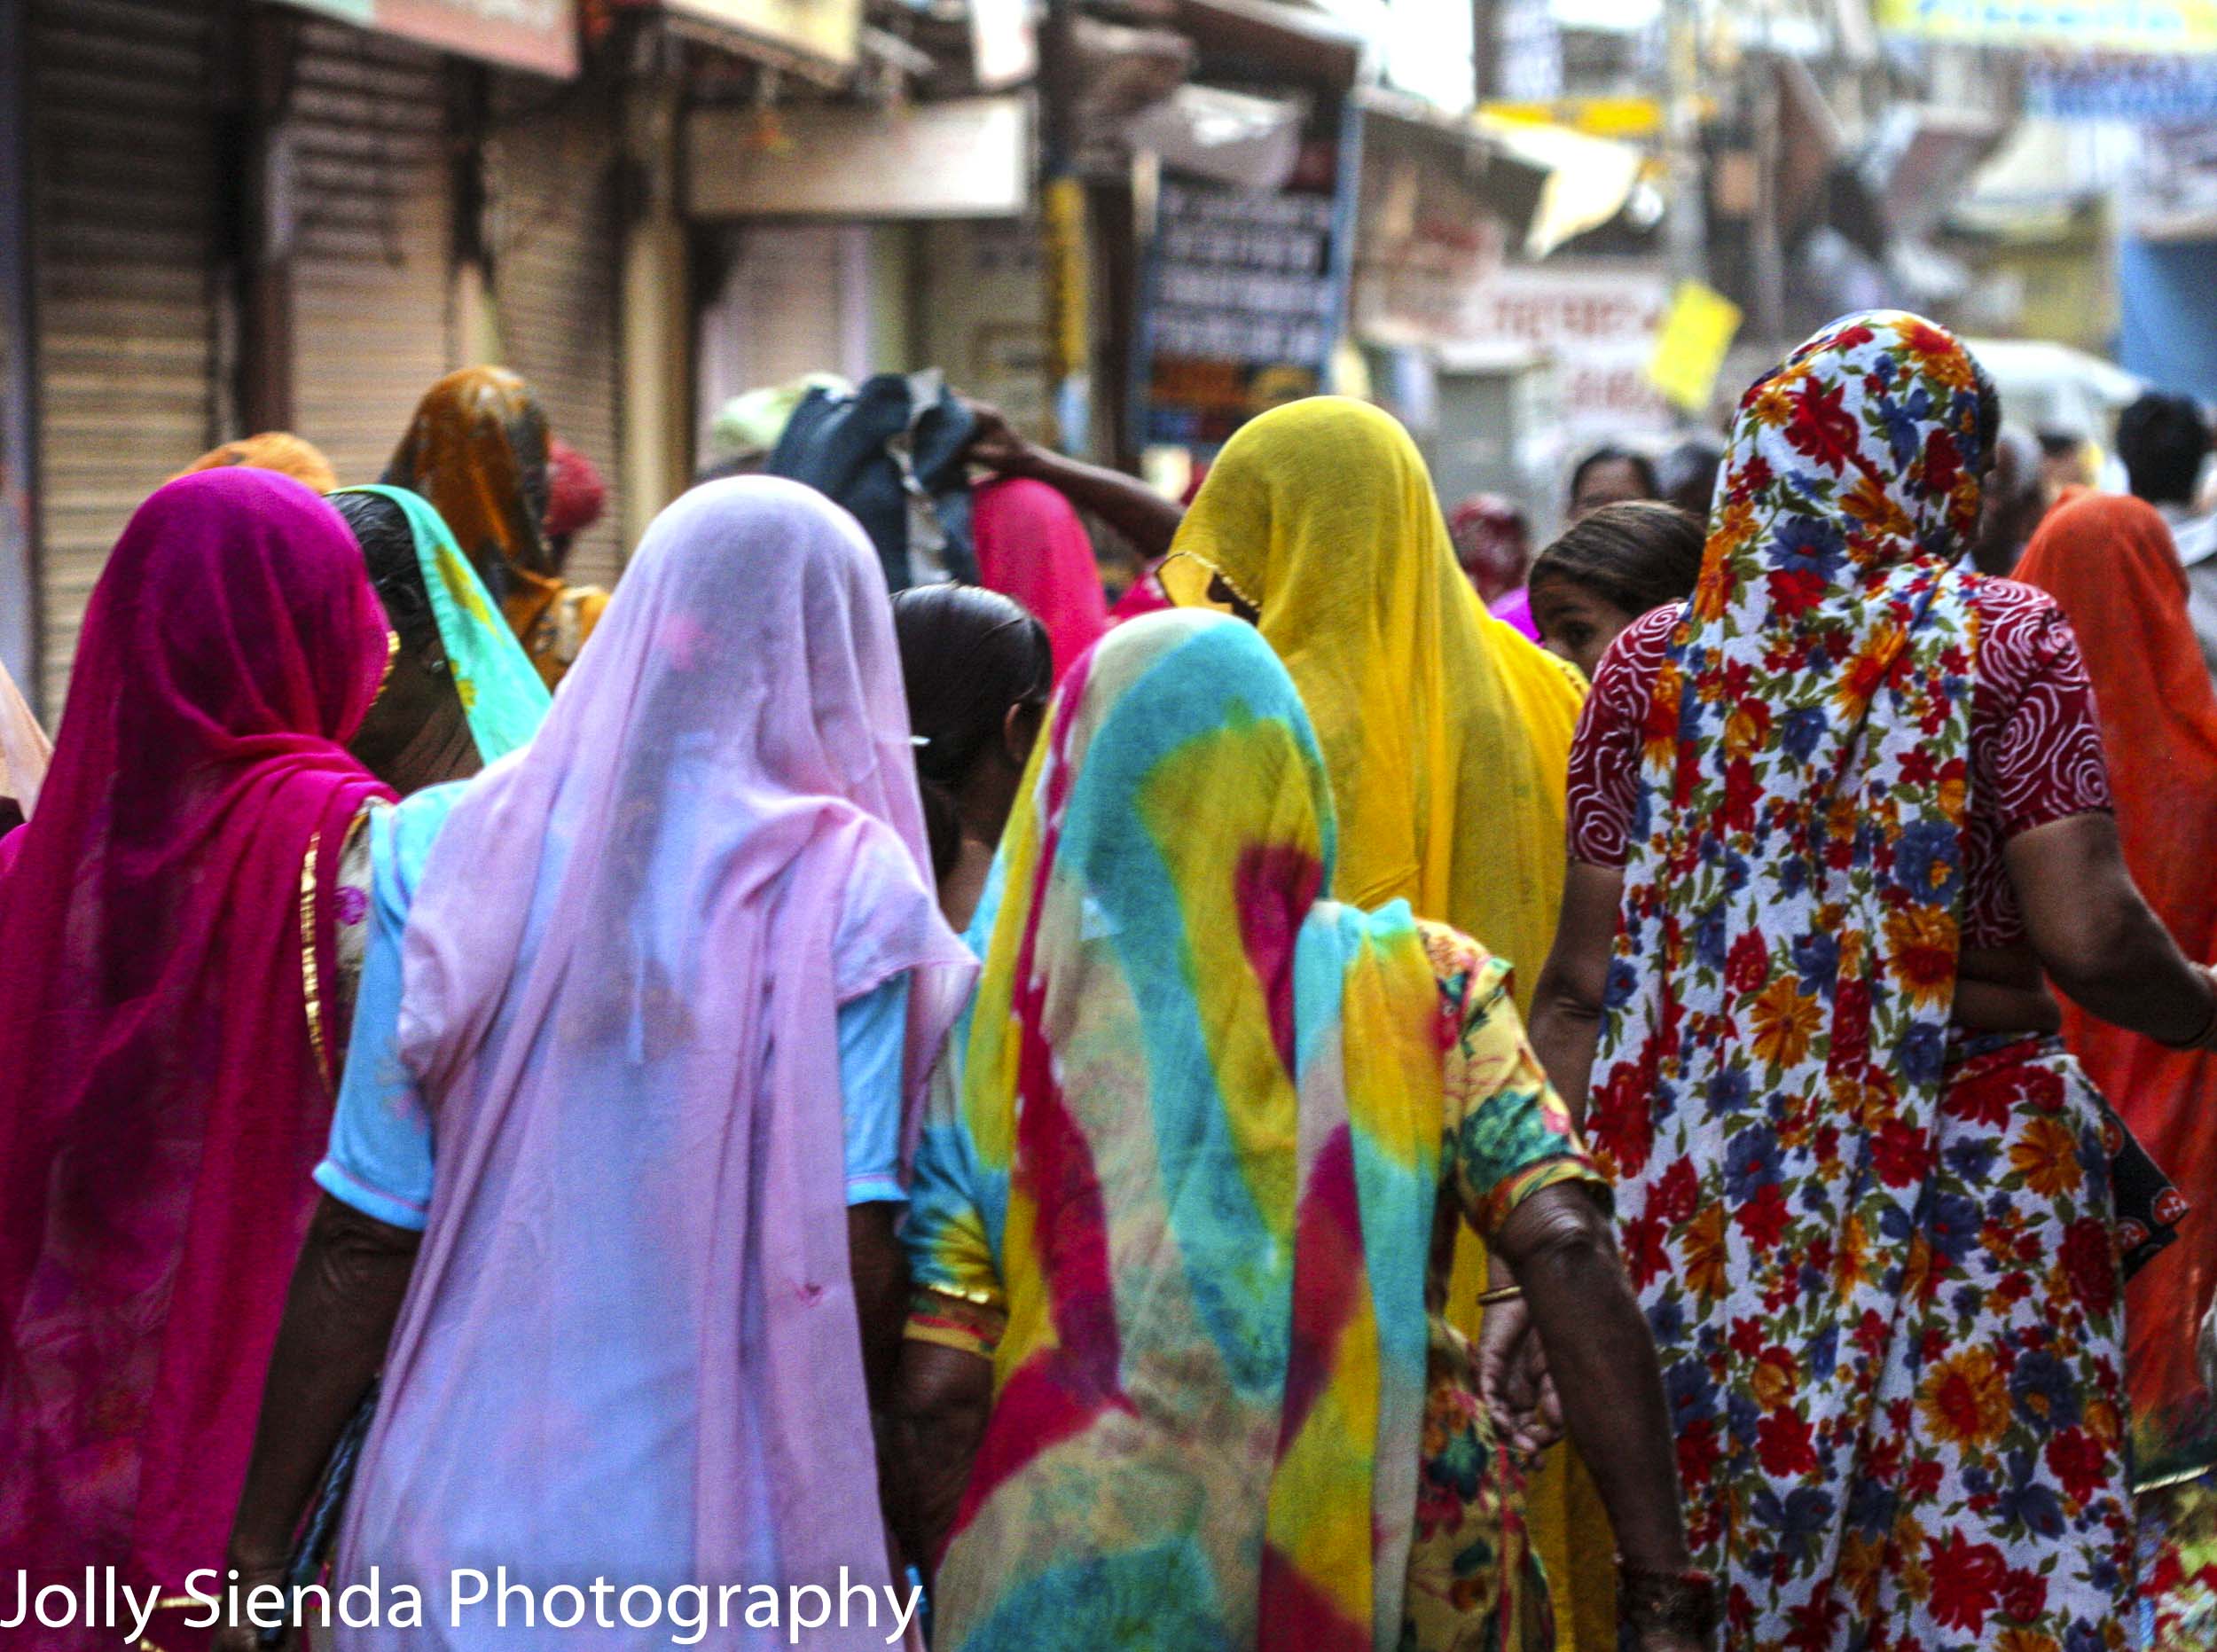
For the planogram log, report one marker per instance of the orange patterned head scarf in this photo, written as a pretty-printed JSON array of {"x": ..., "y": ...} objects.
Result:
[
  {"x": 477, "y": 449},
  {"x": 280, "y": 450}
]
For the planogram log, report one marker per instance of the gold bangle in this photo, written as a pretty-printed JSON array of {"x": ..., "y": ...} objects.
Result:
[{"x": 1487, "y": 1298}]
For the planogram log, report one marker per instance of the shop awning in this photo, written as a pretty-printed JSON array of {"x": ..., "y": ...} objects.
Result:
[
  {"x": 1586, "y": 181},
  {"x": 819, "y": 39},
  {"x": 536, "y": 35},
  {"x": 966, "y": 158},
  {"x": 1316, "y": 49},
  {"x": 1546, "y": 184},
  {"x": 1507, "y": 183}
]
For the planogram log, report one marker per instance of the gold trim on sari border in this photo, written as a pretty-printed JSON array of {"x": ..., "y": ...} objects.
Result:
[
  {"x": 976, "y": 1298},
  {"x": 392, "y": 655},
  {"x": 169, "y": 1603},
  {"x": 1164, "y": 576},
  {"x": 311, "y": 987}
]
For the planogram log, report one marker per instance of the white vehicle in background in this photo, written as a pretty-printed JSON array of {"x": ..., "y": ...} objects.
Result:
[{"x": 2053, "y": 389}]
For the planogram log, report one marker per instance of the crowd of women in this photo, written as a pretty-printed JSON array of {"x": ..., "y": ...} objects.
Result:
[{"x": 967, "y": 1087}]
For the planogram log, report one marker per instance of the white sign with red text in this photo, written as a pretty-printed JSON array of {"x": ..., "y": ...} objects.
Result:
[{"x": 1598, "y": 324}]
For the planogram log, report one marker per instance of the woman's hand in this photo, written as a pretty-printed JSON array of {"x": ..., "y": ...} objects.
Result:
[
  {"x": 996, "y": 444},
  {"x": 1147, "y": 520},
  {"x": 1513, "y": 1380},
  {"x": 244, "y": 1636}
]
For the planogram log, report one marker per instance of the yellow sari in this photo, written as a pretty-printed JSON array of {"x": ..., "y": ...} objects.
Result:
[{"x": 1447, "y": 738}]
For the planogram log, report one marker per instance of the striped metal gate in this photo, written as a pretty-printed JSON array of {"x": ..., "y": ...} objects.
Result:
[
  {"x": 362, "y": 195},
  {"x": 555, "y": 240},
  {"x": 125, "y": 244}
]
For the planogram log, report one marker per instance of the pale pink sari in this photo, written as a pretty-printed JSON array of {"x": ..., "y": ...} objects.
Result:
[{"x": 631, "y": 1347}]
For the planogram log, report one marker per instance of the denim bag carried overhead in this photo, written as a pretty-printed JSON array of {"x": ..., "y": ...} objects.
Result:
[{"x": 891, "y": 452}]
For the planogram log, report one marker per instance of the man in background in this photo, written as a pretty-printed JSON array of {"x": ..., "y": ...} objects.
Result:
[
  {"x": 2016, "y": 498},
  {"x": 2163, "y": 440}
]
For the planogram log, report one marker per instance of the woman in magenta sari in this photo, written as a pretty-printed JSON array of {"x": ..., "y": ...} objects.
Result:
[
  {"x": 1031, "y": 545},
  {"x": 619, "y": 1156},
  {"x": 167, "y": 928}
]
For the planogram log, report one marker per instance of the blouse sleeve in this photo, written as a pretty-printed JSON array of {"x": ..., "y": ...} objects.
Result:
[
  {"x": 380, "y": 1157},
  {"x": 1605, "y": 778},
  {"x": 1508, "y": 1134},
  {"x": 2047, "y": 762},
  {"x": 873, "y": 1045},
  {"x": 960, "y": 1299}
]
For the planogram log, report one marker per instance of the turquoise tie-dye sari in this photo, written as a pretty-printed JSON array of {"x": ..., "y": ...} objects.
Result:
[
  {"x": 1189, "y": 1141},
  {"x": 500, "y": 689}
]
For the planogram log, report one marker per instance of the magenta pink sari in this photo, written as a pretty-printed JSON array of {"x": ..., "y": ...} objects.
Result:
[
  {"x": 162, "y": 1103},
  {"x": 1032, "y": 546}
]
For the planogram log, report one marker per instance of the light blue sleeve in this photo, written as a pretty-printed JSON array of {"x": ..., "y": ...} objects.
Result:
[
  {"x": 380, "y": 1157},
  {"x": 873, "y": 1043}
]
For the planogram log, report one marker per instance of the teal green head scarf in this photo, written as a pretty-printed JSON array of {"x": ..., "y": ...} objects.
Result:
[{"x": 501, "y": 692}]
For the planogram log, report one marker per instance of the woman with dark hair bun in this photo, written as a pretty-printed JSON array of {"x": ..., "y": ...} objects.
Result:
[
  {"x": 978, "y": 668},
  {"x": 1607, "y": 569}
]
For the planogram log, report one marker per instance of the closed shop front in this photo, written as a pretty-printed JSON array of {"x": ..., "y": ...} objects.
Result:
[
  {"x": 795, "y": 298},
  {"x": 363, "y": 209},
  {"x": 554, "y": 241},
  {"x": 240, "y": 211},
  {"x": 828, "y": 246},
  {"x": 125, "y": 210}
]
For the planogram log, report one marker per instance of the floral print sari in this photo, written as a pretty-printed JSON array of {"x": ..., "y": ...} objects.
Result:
[{"x": 1877, "y": 1261}]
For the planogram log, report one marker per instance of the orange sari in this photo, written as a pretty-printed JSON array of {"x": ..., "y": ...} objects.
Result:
[
  {"x": 2109, "y": 562},
  {"x": 477, "y": 449}
]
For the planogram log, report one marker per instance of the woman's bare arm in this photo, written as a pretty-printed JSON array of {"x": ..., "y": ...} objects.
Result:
[
  {"x": 945, "y": 1396},
  {"x": 1144, "y": 517},
  {"x": 1601, "y": 1356},
  {"x": 2096, "y": 936},
  {"x": 879, "y": 1270},
  {"x": 339, "y": 1311},
  {"x": 1564, "y": 1030},
  {"x": 1566, "y": 1002}
]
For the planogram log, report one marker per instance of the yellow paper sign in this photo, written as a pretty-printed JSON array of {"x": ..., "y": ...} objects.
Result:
[
  {"x": 1630, "y": 119},
  {"x": 1690, "y": 345}
]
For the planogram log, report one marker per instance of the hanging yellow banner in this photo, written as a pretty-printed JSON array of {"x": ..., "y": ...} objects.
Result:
[
  {"x": 2157, "y": 26},
  {"x": 1690, "y": 345}
]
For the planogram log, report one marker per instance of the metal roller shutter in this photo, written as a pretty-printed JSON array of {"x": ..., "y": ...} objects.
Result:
[
  {"x": 125, "y": 201},
  {"x": 555, "y": 240},
  {"x": 372, "y": 229}
]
